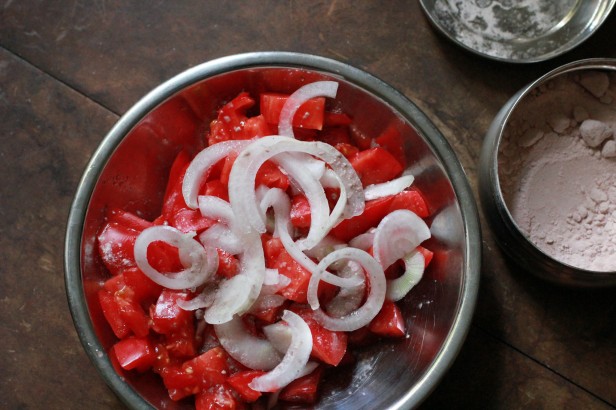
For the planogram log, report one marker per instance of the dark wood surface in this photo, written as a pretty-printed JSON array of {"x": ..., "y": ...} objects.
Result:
[{"x": 68, "y": 70}]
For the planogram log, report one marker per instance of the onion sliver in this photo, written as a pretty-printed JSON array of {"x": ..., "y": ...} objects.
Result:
[
  {"x": 220, "y": 236},
  {"x": 215, "y": 208},
  {"x": 349, "y": 298},
  {"x": 374, "y": 301},
  {"x": 249, "y": 350},
  {"x": 299, "y": 97},
  {"x": 237, "y": 294},
  {"x": 242, "y": 177},
  {"x": 398, "y": 234},
  {"x": 414, "y": 264},
  {"x": 294, "y": 360},
  {"x": 393, "y": 187},
  {"x": 202, "y": 261},
  {"x": 201, "y": 164}
]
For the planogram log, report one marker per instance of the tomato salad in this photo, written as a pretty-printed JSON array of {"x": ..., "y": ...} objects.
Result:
[{"x": 285, "y": 242}]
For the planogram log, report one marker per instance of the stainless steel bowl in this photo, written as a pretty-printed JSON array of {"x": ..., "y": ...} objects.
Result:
[
  {"x": 508, "y": 234},
  {"x": 518, "y": 31},
  {"x": 129, "y": 170}
]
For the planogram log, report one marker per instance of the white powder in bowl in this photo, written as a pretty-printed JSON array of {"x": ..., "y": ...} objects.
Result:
[{"x": 557, "y": 169}]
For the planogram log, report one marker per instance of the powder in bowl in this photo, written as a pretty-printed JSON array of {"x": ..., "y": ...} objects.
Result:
[{"x": 557, "y": 168}]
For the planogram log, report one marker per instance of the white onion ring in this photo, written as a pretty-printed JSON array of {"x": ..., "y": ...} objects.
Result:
[
  {"x": 242, "y": 178},
  {"x": 363, "y": 241},
  {"x": 249, "y": 350},
  {"x": 221, "y": 236},
  {"x": 414, "y": 264},
  {"x": 397, "y": 234},
  {"x": 201, "y": 164},
  {"x": 215, "y": 208},
  {"x": 349, "y": 298},
  {"x": 237, "y": 294},
  {"x": 374, "y": 301},
  {"x": 202, "y": 262},
  {"x": 294, "y": 360},
  {"x": 393, "y": 187},
  {"x": 299, "y": 97},
  {"x": 204, "y": 300}
]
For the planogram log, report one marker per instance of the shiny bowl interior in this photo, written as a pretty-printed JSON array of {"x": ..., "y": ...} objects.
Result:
[{"x": 129, "y": 170}]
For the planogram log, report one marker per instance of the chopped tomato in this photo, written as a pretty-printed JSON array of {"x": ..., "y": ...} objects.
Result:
[
  {"x": 374, "y": 211},
  {"x": 272, "y": 247},
  {"x": 332, "y": 118},
  {"x": 303, "y": 390},
  {"x": 216, "y": 188},
  {"x": 309, "y": 115},
  {"x": 174, "y": 199},
  {"x": 427, "y": 254},
  {"x": 412, "y": 200},
  {"x": 167, "y": 316},
  {"x": 217, "y": 398},
  {"x": 190, "y": 220},
  {"x": 376, "y": 165},
  {"x": 391, "y": 139},
  {"x": 135, "y": 353},
  {"x": 271, "y": 176},
  {"x": 240, "y": 381},
  {"x": 300, "y": 211},
  {"x": 328, "y": 346},
  {"x": 228, "y": 265},
  {"x": 300, "y": 277},
  {"x": 389, "y": 321},
  {"x": 336, "y": 135}
]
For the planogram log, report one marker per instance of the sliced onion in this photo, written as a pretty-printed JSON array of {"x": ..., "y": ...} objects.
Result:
[
  {"x": 398, "y": 234},
  {"x": 249, "y": 350},
  {"x": 414, "y": 264},
  {"x": 374, "y": 301},
  {"x": 363, "y": 241},
  {"x": 215, "y": 208},
  {"x": 393, "y": 187},
  {"x": 237, "y": 294},
  {"x": 299, "y": 97},
  {"x": 201, "y": 164},
  {"x": 349, "y": 298},
  {"x": 242, "y": 178},
  {"x": 294, "y": 360},
  {"x": 204, "y": 300},
  {"x": 220, "y": 236},
  {"x": 202, "y": 262},
  {"x": 279, "y": 334}
]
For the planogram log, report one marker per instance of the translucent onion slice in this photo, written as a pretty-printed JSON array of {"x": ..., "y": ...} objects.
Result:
[
  {"x": 215, "y": 208},
  {"x": 201, "y": 164},
  {"x": 393, "y": 187},
  {"x": 237, "y": 294},
  {"x": 221, "y": 236},
  {"x": 349, "y": 298},
  {"x": 249, "y": 350},
  {"x": 294, "y": 360},
  {"x": 242, "y": 178},
  {"x": 204, "y": 300},
  {"x": 374, "y": 301},
  {"x": 363, "y": 241},
  {"x": 414, "y": 264},
  {"x": 299, "y": 97},
  {"x": 397, "y": 235},
  {"x": 202, "y": 262}
]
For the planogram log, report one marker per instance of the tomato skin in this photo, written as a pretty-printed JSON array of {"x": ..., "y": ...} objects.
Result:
[
  {"x": 228, "y": 265},
  {"x": 391, "y": 139},
  {"x": 300, "y": 211},
  {"x": 167, "y": 316},
  {"x": 374, "y": 211},
  {"x": 173, "y": 199},
  {"x": 389, "y": 321},
  {"x": 217, "y": 398},
  {"x": 135, "y": 353},
  {"x": 376, "y": 165},
  {"x": 303, "y": 390},
  {"x": 240, "y": 381},
  {"x": 300, "y": 277},
  {"x": 412, "y": 200},
  {"x": 112, "y": 314},
  {"x": 309, "y": 115},
  {"x": 115, "y": 247},
  {"x": 327, "y": 346}
]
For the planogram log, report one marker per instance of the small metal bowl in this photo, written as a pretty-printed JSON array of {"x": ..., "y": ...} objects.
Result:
[
  {"x": 511, "y": 238},
  {"x": 129, "y": 170},
  {"x": 518, "y": 32}
]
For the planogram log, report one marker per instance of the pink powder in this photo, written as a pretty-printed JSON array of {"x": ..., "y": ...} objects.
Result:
[{"x": 557, "y": 169}]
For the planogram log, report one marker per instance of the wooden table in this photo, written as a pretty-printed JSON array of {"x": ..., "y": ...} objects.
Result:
[{"x": 69, "y": 69}]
